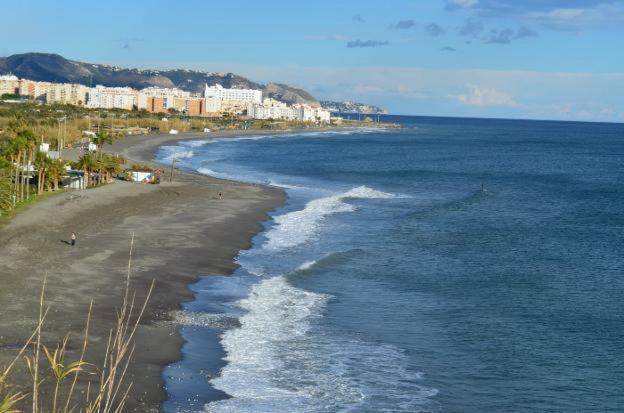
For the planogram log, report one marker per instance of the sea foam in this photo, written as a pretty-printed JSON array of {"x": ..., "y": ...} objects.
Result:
[
  {"x": 196, "y": 143},
  {"x": 168, "y": 153},
  {"x": 210, "y": 172},
  {"x": 279, "y": 361},
  {"x": 297, "y": 227}
]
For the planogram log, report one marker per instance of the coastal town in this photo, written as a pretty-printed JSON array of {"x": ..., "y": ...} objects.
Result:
[
  {"x": 215, "y": 100},
  {"x": 55, "y": 132}
]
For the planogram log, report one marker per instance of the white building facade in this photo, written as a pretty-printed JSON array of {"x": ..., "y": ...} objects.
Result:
[
  {"x": 112, "y": 97},
  {"x": 218, "y": 92},
  {"x": 273, "y": 109},
  {"x": 212, "y": 105}
]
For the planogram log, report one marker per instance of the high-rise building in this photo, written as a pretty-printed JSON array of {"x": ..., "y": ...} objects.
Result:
[
  {"x": 68, "y": 93},
  {"x": 9, "y": 84},
  {"x": 233, "y": 95},
  {"x": 172, "y": 98},
  {"x": 112, "y": 97},
  {"x": 273, "y": 109}
]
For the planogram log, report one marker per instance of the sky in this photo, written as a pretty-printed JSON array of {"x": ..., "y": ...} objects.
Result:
[{"x": 537, "y": 59}]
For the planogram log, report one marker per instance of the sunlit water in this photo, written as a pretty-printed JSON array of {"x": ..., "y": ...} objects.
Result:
[{"x": 454, "y": 265}]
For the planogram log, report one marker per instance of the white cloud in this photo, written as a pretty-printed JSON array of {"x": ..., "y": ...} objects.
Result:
[
  {"x": 461, "y": 4},
  {"x": 479, "y": 96},
  {"x": 559, "y": 14},
  {"x": 331, "y": 37},
  {"x": 553, "y": 14}
]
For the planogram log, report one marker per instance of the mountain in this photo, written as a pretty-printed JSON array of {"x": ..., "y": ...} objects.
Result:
[
  {"x": 55, "y": 68},
  {"x": 352, "y": 107},
  {"x": 290, "y": 94}
]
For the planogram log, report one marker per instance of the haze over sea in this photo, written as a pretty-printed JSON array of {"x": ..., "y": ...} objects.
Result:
[{"x": 456, "y": 265}]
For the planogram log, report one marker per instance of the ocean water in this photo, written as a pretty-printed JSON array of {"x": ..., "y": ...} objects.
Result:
[{"x": 454, "y": 265}]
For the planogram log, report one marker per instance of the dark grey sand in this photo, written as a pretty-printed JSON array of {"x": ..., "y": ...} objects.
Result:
[{"x": 182, "y": 230}]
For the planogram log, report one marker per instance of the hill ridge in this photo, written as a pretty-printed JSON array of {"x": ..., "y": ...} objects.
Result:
[{"x": 52, "y": 67}]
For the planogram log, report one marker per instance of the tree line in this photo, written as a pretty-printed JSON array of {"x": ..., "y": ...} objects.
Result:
[{"x": 27, "y": 171}]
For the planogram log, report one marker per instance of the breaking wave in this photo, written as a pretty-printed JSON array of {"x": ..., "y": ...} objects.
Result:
[
  {"x": 297, "y": 227},
  {"x": 279, "y": 362}
]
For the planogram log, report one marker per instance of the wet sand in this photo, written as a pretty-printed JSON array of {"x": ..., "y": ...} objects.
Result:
[{"x": 182, "y": 230}]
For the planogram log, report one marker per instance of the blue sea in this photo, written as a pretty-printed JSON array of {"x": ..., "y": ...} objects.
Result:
[{"x": 453, "y": 265}]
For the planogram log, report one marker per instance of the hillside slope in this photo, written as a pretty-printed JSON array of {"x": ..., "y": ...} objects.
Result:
[{"x": 55, "y": 68}]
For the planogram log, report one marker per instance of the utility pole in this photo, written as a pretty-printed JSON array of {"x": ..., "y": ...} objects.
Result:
[
  {"x": 61, "y": 139},
  {"x": 64, "y": 133},
  {"x": 172, "y": 167}
]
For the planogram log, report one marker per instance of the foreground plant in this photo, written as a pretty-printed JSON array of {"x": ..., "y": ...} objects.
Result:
[{"x": 106, "y": 388}]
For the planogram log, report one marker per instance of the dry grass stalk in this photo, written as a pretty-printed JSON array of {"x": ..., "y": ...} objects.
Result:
[
  {"x": 110, "y": 395},
  {"x": 119, "y": 351}
]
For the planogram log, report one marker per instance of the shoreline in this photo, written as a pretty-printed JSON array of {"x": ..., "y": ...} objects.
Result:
[
  {"x": 149, "y": 144},
  {"x": 182, "y": 231}
]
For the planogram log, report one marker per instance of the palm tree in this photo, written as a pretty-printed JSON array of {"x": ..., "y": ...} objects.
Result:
[
  {"x": 111, "y": 164},
  {"x": 17, "y": 149},
  {"x": 104, "y": 137},
  {"x": 87, "y": 163},
  {"x": 56, "y": 171},
  {"x": 6, "y": 191},
  {"x": 42, "y": 163},
  {"x": 30, "y": 147}
]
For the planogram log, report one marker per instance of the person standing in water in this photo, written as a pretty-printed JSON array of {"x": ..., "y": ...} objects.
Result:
[{"x": 73, "y": 239}]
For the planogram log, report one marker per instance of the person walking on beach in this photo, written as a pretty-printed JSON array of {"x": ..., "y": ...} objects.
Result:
[
  {"x": 73, "y": 239},
  {"x": 220, "y": 195}
]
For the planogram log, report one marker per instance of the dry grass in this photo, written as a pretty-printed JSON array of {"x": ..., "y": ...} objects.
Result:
[{"x": 106, "y": 386}]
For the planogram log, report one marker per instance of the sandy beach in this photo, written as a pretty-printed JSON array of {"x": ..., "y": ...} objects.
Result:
[{"x": 182, "y": 230}]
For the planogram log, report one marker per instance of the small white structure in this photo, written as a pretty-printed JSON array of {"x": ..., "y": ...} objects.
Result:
[
  {"x": 207, "y": 130},
  {"x": 73, "y": 181},
  {"x": 89, "y": 147},
  {"x": 44, "y": 147},
  {"x": 141, "y": 176},
  {"x": 173, "y": 132}
]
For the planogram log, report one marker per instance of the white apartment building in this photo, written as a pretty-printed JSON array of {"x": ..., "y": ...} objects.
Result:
[
  {"x": 273, "y": 109},
  {"x": 310, "y": 114},
  {"x": 112, "y": 97},
  {"x": 233, "y": 95}
]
